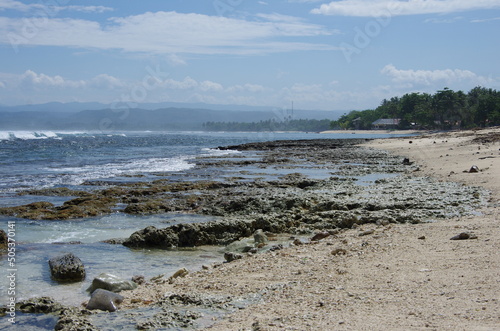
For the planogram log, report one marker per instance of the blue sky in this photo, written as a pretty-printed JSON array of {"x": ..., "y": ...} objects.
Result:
[{"x": 340, "y": 55}]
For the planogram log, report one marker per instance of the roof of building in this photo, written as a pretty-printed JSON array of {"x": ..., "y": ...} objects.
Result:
[{"x": 387, "y": 121}]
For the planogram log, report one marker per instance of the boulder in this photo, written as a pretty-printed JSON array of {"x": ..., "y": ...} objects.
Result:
[
  {"x": 104, "y": 300},
  {"x": 111, "y": 283},
  {"x": 67, "y": 268},
  {"x": 190, "y": 235}
]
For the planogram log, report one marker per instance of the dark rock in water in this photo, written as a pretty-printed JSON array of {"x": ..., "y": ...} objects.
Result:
[
  {"x": 190, "y": 235},
  {"x": 111, "y": 283},
  {"x": 88, "y": 206},
  {"x": 114, "y": 241},
  {"x": 3, "y": 241},
  {"x": 43, "y": 305},
  {"x": 230, "y": 256},
  {"x": 67, "y": 268},
  {"x": 104, "y": 300},
  {"x": 70, "y": 320},
  {"x": 319, "y": 236},
  {"x": 464, "y": 236}
]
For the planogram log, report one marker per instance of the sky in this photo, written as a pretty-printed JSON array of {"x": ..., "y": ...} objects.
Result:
[{"x": 318, "y": 55}]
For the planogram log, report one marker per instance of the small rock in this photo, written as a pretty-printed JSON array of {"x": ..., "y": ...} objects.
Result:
[
  {"x": 230, "y": 256},
  {"x": 276, "y": 247},
  {"x": 406, "y": 161},
  {"x": 298, "y": 242},
  {"x": 111, "y": 283},
  {"x": 365, "y": 233},
  {"x": 473, "y": 169},
  {"x": 138, "y": 279},
  {"x": 104, "y": 300},
  {"x": 421, "y": 237},
  {"x": 320, "y": 235},
  {"x": 183, "y": 272},
  {"x": 464, "y": 236},
  {"x": 339, "y": 251},
  {"x": 260, "y": 237}
]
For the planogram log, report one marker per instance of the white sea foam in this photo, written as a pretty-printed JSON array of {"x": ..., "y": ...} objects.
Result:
[
  {"x": 27, "y": 135},
  {"x": 218, "y": 152},
  {"x": 77, "y": 175}
]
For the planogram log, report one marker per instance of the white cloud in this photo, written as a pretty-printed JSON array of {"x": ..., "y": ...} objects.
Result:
[
  {"x": 14, "y": 5},
  {"x": 485, "y": 20},
  {"x": 186, "y": 83},
  {"x": 379, "y": 8},
  {"x": 428, "y": 77},
  {"x": 106, "y": 81},
  {"x": 86, "y": 9},
  {"x": 444, "y": 20},
  {"x": 165, "y": 33},
  {"x": 49, "y": 10},
  {"x": 211, "y": 86},
  {"x": 175, "y": 60},
  {"x": 33, "y": 79}
]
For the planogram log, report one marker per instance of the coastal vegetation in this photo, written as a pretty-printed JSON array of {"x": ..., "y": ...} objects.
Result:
[{"x": 445, "y": 109}]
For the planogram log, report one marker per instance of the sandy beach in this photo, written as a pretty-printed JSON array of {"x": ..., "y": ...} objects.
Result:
[
  {"x": 384, "y": 132},
  {"x": 376, "y": 277}
]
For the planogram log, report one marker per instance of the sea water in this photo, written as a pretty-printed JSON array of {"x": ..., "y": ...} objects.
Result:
[{"x": 35, "y": 160}]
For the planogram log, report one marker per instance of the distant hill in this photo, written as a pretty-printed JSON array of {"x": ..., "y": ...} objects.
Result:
[{"x": 149, "y": 116}]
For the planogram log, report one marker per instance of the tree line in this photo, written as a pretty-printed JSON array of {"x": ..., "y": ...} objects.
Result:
[
  {"x": 445, "y": 109},
  {"x": 303, "y": 125}
]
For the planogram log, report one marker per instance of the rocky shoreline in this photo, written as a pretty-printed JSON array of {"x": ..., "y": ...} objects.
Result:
[{"x": 299, "y": 187}]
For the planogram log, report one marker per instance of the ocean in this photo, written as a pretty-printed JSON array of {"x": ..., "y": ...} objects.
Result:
[{"x": 35, "y": 160}]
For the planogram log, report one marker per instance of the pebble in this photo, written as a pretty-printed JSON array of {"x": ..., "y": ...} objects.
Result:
[
  {"x": 339, "y": 251},
  {"x": 320, "y": 235},
  {"x": 365, "y": 233},
  {"x": 464, "y": 236}
]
